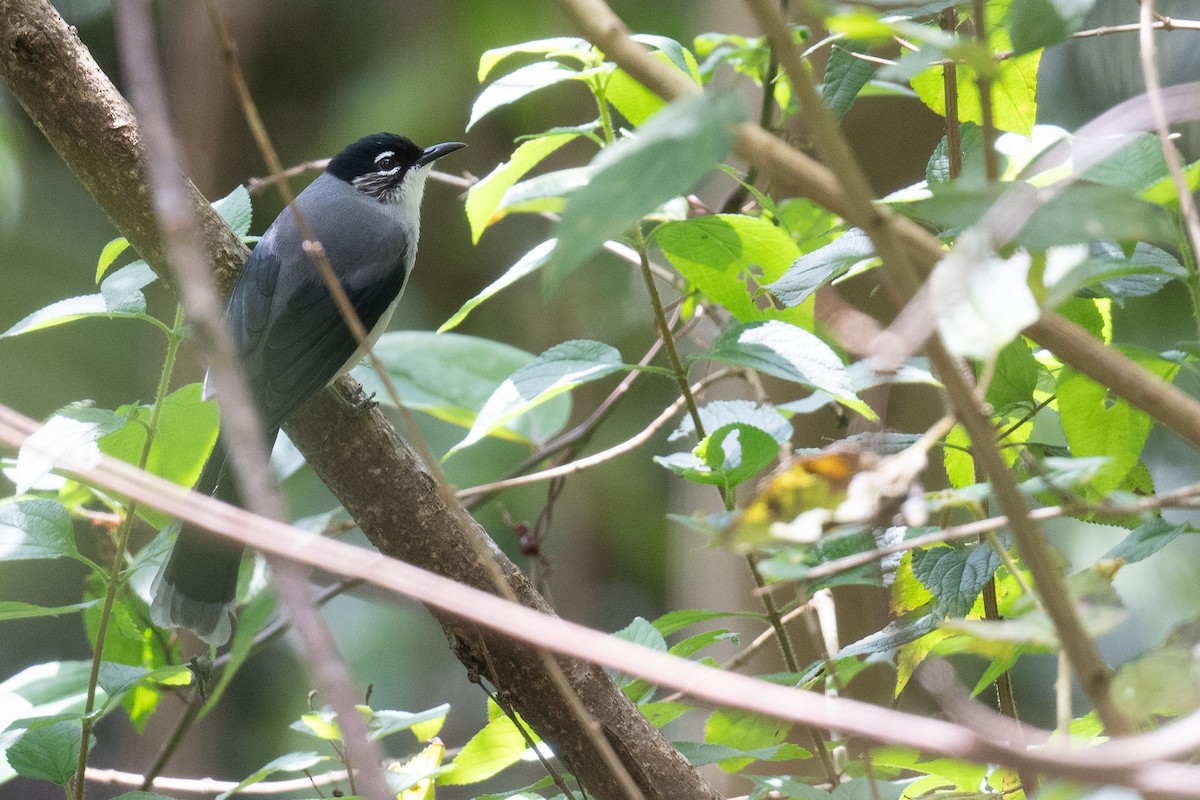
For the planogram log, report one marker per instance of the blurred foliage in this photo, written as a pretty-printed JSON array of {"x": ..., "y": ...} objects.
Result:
[{"x": 571, "y": 153}]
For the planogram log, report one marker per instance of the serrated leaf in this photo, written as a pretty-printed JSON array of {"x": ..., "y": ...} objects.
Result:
[
  {"x": 1146, "y": 539},
  {"x": 730, "y": 455},
  {"x": 846, "y": 75},
  {"x": 517, "y": 84},
  {"x": 483, "y": 198},
  {"x": 109, "y": 254},
  {"x": 955, "y": 576},
  {"x": 528, "y": 264},
  {"x": 813, "y": 270},
  {"x": 666, "y": 157},
  {"x": 745, "y": 732},
  {"x": 48, "y": 752},
  {"x": 292, "y": 762},
  {"x": 902, "y": 631},
  {"x": 186, "y": 432},
  {"x": 497, "y": 746},
  {"x": 790, "y": 353},
  {"x": 1097, "y": 424},
  {"x": 67, "y": 440},
  {"x": 451, "y": 376},
  {"x": 35, "y": 529},
  {"x": 554, "y": 372},
  {"x": 1014, "y": 377},
  {"x": 721, "y": 254},
  {"x": 641, "y": 632},
  {"x": 719, "y": 413},
  {"x": 120, "y": 297},
  {"x": 235, "y": 209},
  {"x": 1014, "y": 93},
  {"x": 971, "y": 149},
  {"x": 542, "y": 47}
]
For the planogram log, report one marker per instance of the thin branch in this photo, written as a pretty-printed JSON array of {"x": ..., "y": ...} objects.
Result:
[
  {"x": 1122, "y": 761},
  {"x": 596, "y": 459},
  {"x": 1149, "y": 57}
]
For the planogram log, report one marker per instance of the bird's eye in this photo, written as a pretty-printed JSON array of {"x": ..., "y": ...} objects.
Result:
[{"x": 386, "y": 163}]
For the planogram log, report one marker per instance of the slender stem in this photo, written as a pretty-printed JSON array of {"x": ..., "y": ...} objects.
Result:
[
  {"x": 664, "y": 330},
  {"x": 991, "y": 159},
  {"x": 118, "y": 561}
]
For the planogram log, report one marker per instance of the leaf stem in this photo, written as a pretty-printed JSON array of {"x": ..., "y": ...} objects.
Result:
[
  {"x": 664, "y": 330},
  {"x": 110, "y": 595}
]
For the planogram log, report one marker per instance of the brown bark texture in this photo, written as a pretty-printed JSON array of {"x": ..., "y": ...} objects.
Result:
[{"x": 372, "y": 471}]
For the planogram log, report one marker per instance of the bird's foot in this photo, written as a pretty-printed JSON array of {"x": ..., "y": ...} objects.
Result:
[{"x": 358, "y": 401}]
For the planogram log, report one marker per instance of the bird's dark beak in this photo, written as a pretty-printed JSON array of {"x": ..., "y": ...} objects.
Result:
[{"x": 436, "y": 151}]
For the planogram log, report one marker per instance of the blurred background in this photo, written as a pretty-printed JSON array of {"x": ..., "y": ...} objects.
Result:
[{"x": 324, "y": 74}]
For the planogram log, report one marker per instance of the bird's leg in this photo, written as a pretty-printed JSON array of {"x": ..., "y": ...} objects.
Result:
[{"x": 358, "y": 401}]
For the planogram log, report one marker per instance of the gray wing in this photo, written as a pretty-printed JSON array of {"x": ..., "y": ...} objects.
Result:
[{"x": 289, "y": 333}]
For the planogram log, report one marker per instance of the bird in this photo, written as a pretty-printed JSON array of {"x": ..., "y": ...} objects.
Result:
[{"x": 364, "y": 209}]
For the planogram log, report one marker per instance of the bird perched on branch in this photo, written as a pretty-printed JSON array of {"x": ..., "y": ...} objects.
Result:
[{"x": 364, "y": 209}]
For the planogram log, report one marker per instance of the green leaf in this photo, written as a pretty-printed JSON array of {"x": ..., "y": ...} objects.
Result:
[
  {"x": 724, "y": 255},
  {"x": 742, "y": 731},
  {"x": 813, "y": 270},
  {"x": 641, "y": 632},
  {"x": 634, "y": 101},
  {"x": 786, "y": 788},
  {"x": 515, "y": 85},
  {"x": 66, "y": 440},
  {"x": 955, "y": 575},
  {"x": 675, "y": 621},
  {"x": 730, "y": 455},
  {"x": 424, "y": 724},
  {"x": 235, "y": 209},
  {"x": 662, "y": 713},
  {"x": 1099, "y": 424},
  {"x": 1079, "y": 214},
  {"x": 790, "y": 353},
  {"x": 971, "y": 147},
  {"x": 48, "y": 752},
  {"x": 1136, "y": 166},
  {"x": 666, "y": 157},
  {"x": 902, "y": 631},
  {"x": 981, "y": 300},
  {"x": 733, "y": 759},
  {"x": 558, "y": 370},
  {"x": 109, "y": 254},
  {"x": 451, "y": 376},
  {"x": 541, "y": 47},
  {"x": 1040, "y": 23},
  {"x": 14, "y": 609},
  {"x": 1014, "y": 93},
  {"x": 321, "y": 723},
  {"x": 543, "y": 193},
  {"x": 292, "y": 762},
  {"x": 120, "y": 297},
  {"x": 720, "y": 413},
  {"x": 187, "y": 430},
  {"x": 1161, "y": 683},
  {"x": 35, "y": 529},
  {"x": 1146, "y": 539},
  {"x": 528, "y": 264},
  {"x": 1014, "y": 378},
  {"x": 497, "y": 746},
  {"x": 484, "y": 197},
  {"x": 846, "y": 75}
]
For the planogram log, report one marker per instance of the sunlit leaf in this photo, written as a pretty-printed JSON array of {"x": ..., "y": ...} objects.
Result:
[
  {"x": 664, "y": 158},
  {"x": 554, "y": 372},
  {"x": 528, "y": 264},
  {"x": 483, "y": 198}
]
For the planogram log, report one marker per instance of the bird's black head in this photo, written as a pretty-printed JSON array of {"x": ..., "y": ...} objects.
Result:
[{"x": 378, "y": 164}]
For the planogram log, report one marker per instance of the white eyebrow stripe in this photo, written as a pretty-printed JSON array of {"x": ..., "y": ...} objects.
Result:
[{"x": 384, "y": 155}]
